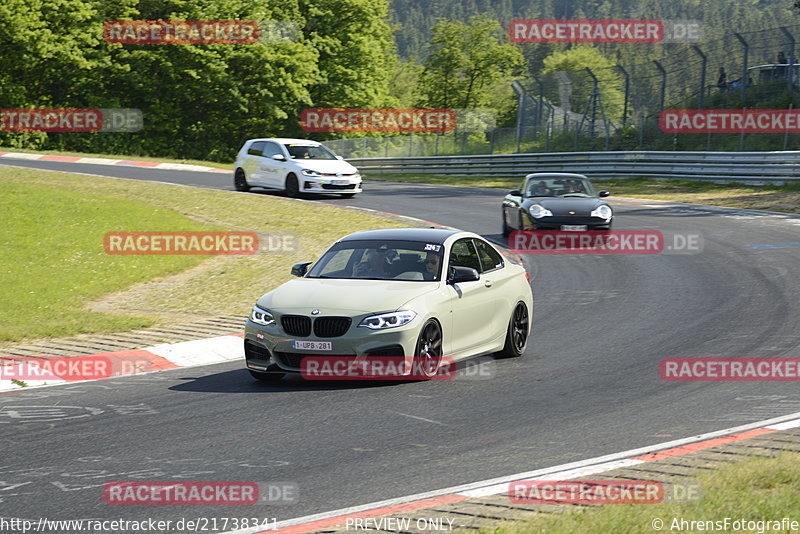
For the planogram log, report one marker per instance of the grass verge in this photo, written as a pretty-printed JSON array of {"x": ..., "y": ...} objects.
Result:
[
  {"x": 784, "y": 198},
  {"x": 755, "y": 490},
  {"x": 58, "y": 281}
]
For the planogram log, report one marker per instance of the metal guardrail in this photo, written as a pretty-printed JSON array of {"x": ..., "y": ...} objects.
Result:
[{"x": 756, "y": 167}]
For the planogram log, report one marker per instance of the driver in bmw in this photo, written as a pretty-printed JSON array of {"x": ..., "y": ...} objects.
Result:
[{"x": 376, "y": 265}]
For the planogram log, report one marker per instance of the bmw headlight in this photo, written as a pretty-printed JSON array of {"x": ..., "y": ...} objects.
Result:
[
  {"x": 604, "y": 212},
  {"x": 388, "y": 320},
  {"x": 309, "y": 172},
  {"x": 538, "y": 211},
  {"x": 262, "y": 317}
]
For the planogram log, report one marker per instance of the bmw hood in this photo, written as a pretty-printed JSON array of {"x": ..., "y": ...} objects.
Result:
[
  {"x": 563, "y": 206},
  {"x": 326, "y": 166},
  {"x": 342, "y": 297}
]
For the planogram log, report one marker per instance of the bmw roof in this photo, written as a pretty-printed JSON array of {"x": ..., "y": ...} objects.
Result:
[{"x": 430, "y": 235}]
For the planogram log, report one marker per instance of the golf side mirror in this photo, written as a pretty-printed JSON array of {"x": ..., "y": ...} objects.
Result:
[{"x": 604, "y": 193}]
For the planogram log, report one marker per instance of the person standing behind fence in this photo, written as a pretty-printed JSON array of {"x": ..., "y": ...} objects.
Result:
[
  {"x": 722, "y": 81},
  {"x": 780, "y": 72}
]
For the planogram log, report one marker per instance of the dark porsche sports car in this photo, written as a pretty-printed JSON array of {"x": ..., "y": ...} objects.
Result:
[{"x": 556, "y": 201}]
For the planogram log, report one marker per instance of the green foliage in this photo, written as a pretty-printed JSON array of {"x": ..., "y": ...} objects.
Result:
[
  {"x": 587, "y": 56},
  {"x": 467, "y": 60},
  {"x": 198, "y": 101}
]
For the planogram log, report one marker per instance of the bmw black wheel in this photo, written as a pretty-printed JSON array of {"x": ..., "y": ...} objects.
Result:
[
  {"x": 428, "y": 354},
  {"x": 517, "y": 333}
]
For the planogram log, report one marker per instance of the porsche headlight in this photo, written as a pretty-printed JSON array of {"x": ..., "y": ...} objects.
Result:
[
  {"x": 262, "y": 317},
  {"x": 388, "y": 320},
  {"x": 538, "y": 211},
  {"x": 604, "y": 212},
  {"x": 309, "y": 172}
]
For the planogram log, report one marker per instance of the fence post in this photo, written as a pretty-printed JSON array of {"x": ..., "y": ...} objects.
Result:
[
  {"x": 789, "y": 70},
  {"x": 786, "y": 133},
  {"x": 627, "y": 94},
  {"x": 520, "y": 109},
  {"x": 595, "y": 96},
  {"x": 663, "y": 85},
  {"x": 702, "y": 76},
  {"x": 745, "y": 75},
  {"x": 539, "y": 104},
  {"x": 491, "y": 141},
  {"x": 411, "y": 145}
]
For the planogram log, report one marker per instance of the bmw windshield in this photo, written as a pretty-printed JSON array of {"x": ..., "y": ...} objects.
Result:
[{"x": 380, "y": 260}]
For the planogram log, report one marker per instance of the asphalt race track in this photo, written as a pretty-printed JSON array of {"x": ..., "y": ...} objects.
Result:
[{"x": 588, "y": 384}]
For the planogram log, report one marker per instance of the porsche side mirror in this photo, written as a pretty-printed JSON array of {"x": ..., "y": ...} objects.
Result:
[
  {"x": 459, "y": 274},
  {"x": 300, "y": 269}
]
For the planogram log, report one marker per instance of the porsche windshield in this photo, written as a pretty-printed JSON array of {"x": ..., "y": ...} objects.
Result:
[
  {"x": 559, "y": 187},
  {"x": 380, "y": 260}
]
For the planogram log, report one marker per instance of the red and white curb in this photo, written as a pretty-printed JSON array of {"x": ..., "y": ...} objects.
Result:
[
  {"x": 500, "y": 485},
  {"x": 105, "y": 161},
  {"x": 136, "y": 361}
]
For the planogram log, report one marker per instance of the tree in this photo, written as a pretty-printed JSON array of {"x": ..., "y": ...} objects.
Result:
[
  {"x": 466, "y": 60},
  {"x": 573, "y": 63}
]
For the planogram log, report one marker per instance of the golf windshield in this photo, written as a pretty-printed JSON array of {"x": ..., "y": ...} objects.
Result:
[
  {"x": 381, "y": 260},
  {"x": 298, "y": 151}
]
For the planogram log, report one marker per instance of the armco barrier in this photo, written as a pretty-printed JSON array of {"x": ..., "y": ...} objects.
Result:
[{"x": 748, "y": 167}]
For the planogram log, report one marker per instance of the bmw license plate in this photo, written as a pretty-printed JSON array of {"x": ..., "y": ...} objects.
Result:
[
  {"x": 341, "y": 182},
  {"x": 312, "y": 345},
  {"x": 574, "y": 227}
]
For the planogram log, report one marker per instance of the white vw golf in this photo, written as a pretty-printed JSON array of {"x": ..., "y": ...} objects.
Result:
[{"x": 294, "y": 165}]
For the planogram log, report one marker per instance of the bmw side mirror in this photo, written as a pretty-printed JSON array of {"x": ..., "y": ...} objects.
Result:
[
  {"x": 254, "y": 152},
  {"x": 300, "y": 269},
  {"x": 279, "y": 157},
  {"x": 456, "y": 275},
  {"x": 515, "y": 193},
  {"x": 604, "y": 193}
]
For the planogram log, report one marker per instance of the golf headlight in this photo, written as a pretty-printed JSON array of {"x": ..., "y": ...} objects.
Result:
[
  {"x": 309, "y": 172},
  {"x": 538, "y": 211},
  {"x": 604, "y": 212},
  {"x": 262, "y": 317},
  {"x": 388, "y": 320}
]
